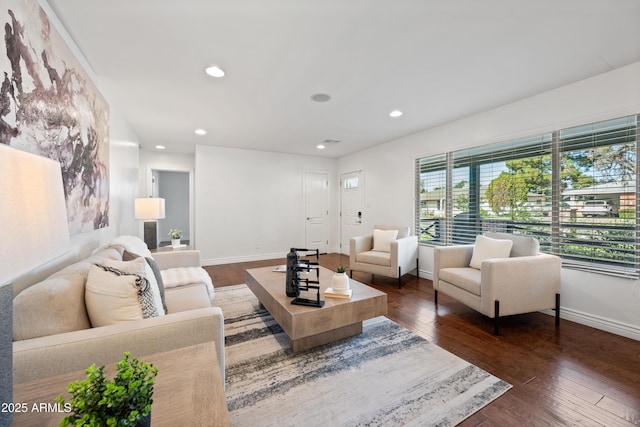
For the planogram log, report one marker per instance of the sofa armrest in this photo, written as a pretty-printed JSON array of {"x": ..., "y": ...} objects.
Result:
[
  {"x": 58, "y": 354},
  {"x": 359, "y": 244},
  {"x": 175, "y": 259},
  {"x": 521, "y": 284}
]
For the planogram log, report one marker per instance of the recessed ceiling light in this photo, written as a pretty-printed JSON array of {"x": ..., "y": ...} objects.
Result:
[
  {"x": 215, "y": 71},
  {"x": 201, "y": 131},
  {"x": 395, "y": 113},
  {"x": 320, "y": 146},
  {"x": 320, "y": 97},
  {"x": 160, "y": 147}
]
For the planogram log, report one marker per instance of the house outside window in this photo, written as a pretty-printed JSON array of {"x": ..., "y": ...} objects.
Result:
[{"x": 573, "y": 189}]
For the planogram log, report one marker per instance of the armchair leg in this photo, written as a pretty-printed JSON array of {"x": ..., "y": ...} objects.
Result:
[
  {"x": 399, "y": 277},
  {"x": 557, "y": 310},
  {"x": 351, "y": 273},
  {"x": 496, "y": 319},
  {"x": 436, "y": 296}
]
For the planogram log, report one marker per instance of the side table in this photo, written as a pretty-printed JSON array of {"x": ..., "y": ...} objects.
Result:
[
  {"x": 188, "y": 391},
  {"x": 171, "y": 248}
]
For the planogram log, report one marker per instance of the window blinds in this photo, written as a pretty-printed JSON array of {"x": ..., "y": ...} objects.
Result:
[{"x": 546, "y": 186}]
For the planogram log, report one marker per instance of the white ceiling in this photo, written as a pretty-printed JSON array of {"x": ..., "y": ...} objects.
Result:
[{"x": 436, "y": 60}]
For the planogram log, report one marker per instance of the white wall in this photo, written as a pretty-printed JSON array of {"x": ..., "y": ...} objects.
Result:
[
  {"x": 385, "y": 200},
  {"x": 250, "y": 204},
  {"x": 604, "y": 302}
]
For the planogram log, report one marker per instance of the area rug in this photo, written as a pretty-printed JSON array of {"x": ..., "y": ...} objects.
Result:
[{"x": 386, "y": 376}]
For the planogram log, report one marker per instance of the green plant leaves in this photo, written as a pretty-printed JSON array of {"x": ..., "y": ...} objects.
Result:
[{"x": 97, "y": 401}]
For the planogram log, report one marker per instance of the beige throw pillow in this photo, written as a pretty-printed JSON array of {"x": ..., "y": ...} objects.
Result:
[
  {"x": 140, "y": 267},
  {"x": 113, "y": 296},
  {"x": 382, "y": 239},
  {"x": 487, "y": 248}
]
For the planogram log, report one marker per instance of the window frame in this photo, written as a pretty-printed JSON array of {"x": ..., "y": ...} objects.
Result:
[{"x": 552, "y": 232}]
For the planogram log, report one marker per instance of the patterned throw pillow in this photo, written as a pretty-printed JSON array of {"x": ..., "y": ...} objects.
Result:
[
  {"x": 114, "y": 296},
  {"x": 141, "y": 267},
  {"x": 130, "y": 256}
]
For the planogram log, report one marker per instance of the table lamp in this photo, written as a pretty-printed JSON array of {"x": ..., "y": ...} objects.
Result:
[
  {"x": 35, "y": 230},
  {"x": 150, "y": 209}
]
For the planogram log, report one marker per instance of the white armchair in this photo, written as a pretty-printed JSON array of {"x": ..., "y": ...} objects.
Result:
[
  {"x": 391, "y": 251},
  {"x": 522, "y": 282}
]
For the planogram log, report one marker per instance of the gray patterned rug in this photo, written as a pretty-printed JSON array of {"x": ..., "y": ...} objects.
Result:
[{"x": 387, "y": 376}]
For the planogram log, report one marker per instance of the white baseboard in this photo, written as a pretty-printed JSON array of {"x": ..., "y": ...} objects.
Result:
[
  {"x": 245, "y": 258},
  {"x": 248, "y": 258},
  {"x": 601, "y": 323},
  {"x": 426, "y": 274}
]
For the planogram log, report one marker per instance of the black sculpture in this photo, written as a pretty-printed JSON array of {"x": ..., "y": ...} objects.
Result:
[{"x": 295, "y": 284}]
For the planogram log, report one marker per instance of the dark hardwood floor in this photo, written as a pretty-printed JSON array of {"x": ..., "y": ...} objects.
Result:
[{"x": 573, "y": 375}]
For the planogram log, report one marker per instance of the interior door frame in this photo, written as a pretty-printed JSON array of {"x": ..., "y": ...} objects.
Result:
[{"x": 150, "y": 188}]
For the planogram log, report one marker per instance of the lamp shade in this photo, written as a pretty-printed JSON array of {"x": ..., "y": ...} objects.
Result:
[
  {"x": 149, "y": 208},
  {"x": 35, "y": 229},
  {"x": 33, "y": 212}
]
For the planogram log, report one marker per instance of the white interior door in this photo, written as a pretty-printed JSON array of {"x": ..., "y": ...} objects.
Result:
[
  {"x": 351, "y": 208},
  {"x": 316, "y": 192}
]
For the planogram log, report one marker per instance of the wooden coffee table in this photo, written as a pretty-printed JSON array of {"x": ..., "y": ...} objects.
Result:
[{"x": 309, "y": 327}]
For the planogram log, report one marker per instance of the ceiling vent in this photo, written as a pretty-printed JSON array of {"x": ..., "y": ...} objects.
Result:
[{"x": 320, "y": 97}]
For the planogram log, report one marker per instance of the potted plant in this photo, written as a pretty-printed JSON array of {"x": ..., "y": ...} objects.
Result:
[
  {"x": 175, "y": 235},
  {"x": 125, "y": 401},
  {"x": 340, "y": 281}
]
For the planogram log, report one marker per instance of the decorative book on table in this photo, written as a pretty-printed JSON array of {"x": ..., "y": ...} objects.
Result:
[{"x": 335, "y": 293}]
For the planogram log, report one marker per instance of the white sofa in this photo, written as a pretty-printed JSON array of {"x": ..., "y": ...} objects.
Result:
[{"x": 53, "y": 332}]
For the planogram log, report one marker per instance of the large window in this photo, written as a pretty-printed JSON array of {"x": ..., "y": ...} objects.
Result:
[{"x": 573, "y": 189}]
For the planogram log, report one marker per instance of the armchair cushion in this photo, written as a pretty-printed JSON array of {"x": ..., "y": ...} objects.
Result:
[
  {"x": 465, "y": 278},
  {"x": 374, "y": 257},
  {"x": 488, "y": 248},
  {"x": 382, "y": 239}
]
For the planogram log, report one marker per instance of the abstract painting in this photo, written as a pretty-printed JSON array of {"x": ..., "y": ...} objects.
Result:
[{"x": 49, "y": 106}]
